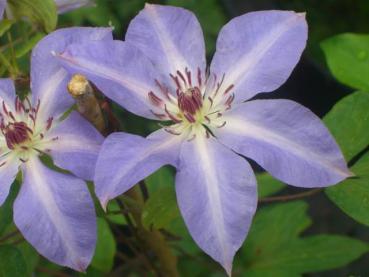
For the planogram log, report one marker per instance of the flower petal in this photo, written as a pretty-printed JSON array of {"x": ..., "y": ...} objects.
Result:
[
  {"x": 69, "y": 5},
  {"x": 258, "y": 51},
  {"x": 9, "y": 168},
  {"x": 286, "y": 139},
  {"x": 55, "y": 213},
  {"x": 170, "y": 36},
  {"x": 7, "y": 94},
  {"x": 2, "y": 8},
  {"x": 48, "y": 79},
  {"x": 76, "y": 147},
  {"x": 217, "y": 195},
  {"x": 118, "y": 69},
  {"x": 126, "y": 159}
]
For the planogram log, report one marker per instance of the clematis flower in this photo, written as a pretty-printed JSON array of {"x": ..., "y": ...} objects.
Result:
[
  {"x": 54, "y": 211},
  {"x": 61, "y": 5},
  {"x": 159, "y": 72}
]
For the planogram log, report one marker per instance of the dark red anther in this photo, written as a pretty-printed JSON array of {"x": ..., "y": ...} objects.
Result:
[
  {"x": 49, "y": 123},
  {"x": 228, "y": 89},
  {"x": 16, "y": 133},
  {"x": 190, "y": 101},
  {"x": 199, "y": 80},
  {"x": 155, "y": 100}
]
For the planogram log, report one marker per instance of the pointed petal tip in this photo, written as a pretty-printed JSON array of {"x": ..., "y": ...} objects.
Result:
[
  {"x": 104, "y": 203},
  {"x": 228, "y": 268},
  {"x": 81, "y": 265}
]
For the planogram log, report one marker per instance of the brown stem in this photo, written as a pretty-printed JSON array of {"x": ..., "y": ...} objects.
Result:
[
  {"x": 9, "y": 236},
  {"x": 153, "y": 239},
  {"x": 88, "y": 105},
  {"x": 290, "y": 197}
]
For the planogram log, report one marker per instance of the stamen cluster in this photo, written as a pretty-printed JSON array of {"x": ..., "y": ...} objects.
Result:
[{"x": 194, "y": 102}]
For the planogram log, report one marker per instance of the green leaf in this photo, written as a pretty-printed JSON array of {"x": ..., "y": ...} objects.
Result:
[
  {"x": 352, "y": 195},
  {"x": 40, "y": 12},
  {"x": 5, "y": 25},
  {"x": 105, "y": 248},
  {"x": 114, "y": 214},
  {"x": 30, "y": 256},
  {"x": 349, "y": 123},
  {"x": 160, "y": 209},
  {"x": 274, "y": 248},
  {"x": 348, "y": 58},
  {"x": 267, "y": 185},
  {"x": 163, "y": 177},
  {"x": 6, "y": 210},
  {"x": 11, "y": 262},
  {"x": 28, "y": 45}
]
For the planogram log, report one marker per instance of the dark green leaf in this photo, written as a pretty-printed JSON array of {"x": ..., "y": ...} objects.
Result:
[
  {"x": 30, "y": 255},
  {"x": 6, "y": 210},
  {"x": 114, "y": 213},
  {"x": 161, "y": 178},
  {"x": 267, "y": 185},
  {"x": 40, "y": 12},
  {"x": 11, "y": 262},
  {"x": 105, "y": 248},
  {"x": 348, "y": 58},
  {"x": 349, "y": 123},
  {"x": 28, "y": 45},
  {"x": 5, "y": 25},
  {"x": 160, "y": 209},
  {"x": 274, "y": 248},
  {"x": 352, "y": 195}
]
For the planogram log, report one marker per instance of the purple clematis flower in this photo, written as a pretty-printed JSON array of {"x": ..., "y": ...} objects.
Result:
[
  {"x": 159, "y": 72},
  {"x": 61, "y": 5},
  {"x": 54, "y": 211}
]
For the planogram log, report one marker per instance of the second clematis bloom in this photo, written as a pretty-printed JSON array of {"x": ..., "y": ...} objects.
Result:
[
  {"x": 159, "y": 72},
  {"x": 54, "y": 211}
]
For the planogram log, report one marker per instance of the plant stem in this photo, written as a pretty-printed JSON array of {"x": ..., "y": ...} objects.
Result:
[
  {"x": 290, "y": 197},
  {"x": 153, "y": 239}
]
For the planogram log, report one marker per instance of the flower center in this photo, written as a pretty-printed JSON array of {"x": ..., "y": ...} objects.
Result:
[
  {"x": 190, "y": 102},
  {"x": 196, "y": 104},
  {"x": 22, "y": 135},
  {"x": 16, "y": 134}
]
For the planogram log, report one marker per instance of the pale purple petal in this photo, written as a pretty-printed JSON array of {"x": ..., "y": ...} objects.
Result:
[
  {"x": 2, "y": 8},
  {"x": 7, "y": 94},
  {"x": 126, "y": 159},
  {"x": 286, "y": 139},
  {"x": 48, "y": 79},
  {"x": 55, "y": 213},
  {"x": 170, "y": 36},
  {"x": 9, "y": 167},
  {"x": 69, "y": 5},
  {"x": 258, "y": 51},
  {"x": 217, "y": 195},
  {"x": 118, "y": 69},
  {"x": 76, "y": 147}
]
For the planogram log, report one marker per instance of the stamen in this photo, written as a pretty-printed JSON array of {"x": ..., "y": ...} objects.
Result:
[
  {"x": 49, "y": 123},
  {"x": 155, "y": 100}
]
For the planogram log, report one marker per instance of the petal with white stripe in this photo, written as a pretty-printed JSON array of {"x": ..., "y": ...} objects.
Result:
[
  {"x": 170, "y": 36},
  {"x": 258, "y": 51},
  {"x": 48, "y": 79},
  {"x": 286, "y": 139},
  {"x": 74, "y": 145},
  {"x": 9, "y": 167},
  {"x": 126, "y": 159},
  {"x": 55, "y": 213},
  {"x": 217, "y": 195},
  {"x": 119, "y": 70}
]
